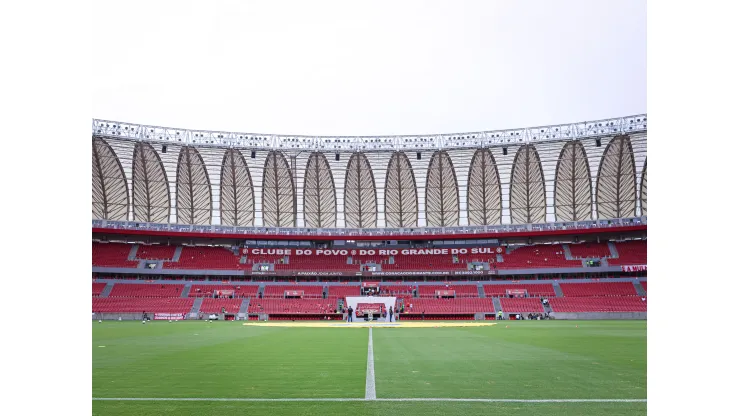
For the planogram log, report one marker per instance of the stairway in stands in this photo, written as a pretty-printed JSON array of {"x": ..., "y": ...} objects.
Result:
[
  {"x": 244, "y": 307},
  {"x": 196, "y": 306},
  {"x": 638, "y": 287},
  {"x": 497, "y": 304},
  {"x": 558, "y": 289},
  {"x": 106, "y": 291}
]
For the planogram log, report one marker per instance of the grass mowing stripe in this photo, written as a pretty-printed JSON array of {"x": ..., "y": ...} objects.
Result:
[
  {"x": 370, "y": 377},
  {"x": 349, "y": 399}
]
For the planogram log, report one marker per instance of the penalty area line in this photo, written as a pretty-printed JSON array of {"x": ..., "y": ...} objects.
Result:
[{"x": 352, "y": 399}]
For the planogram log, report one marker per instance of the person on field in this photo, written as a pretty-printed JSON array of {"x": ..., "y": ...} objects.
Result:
[
  {"x": 349, "y": 315},
  {"x": 390, "y": 314}
]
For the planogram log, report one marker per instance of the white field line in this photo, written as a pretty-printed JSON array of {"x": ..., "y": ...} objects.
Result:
[
  {"x": 351, "y": 399},
  {"x": 370, "y": 377}
]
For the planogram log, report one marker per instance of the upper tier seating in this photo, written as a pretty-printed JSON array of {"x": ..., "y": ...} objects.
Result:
[
  {"x": 157, "y": 252},
  {"x": 533, "y": 289},
  {"x": 425, "y": 262},
  {"x": 630, "y": 253},
  {"x": 521, "y": 305},
  {"x": 240, "y": 291},
  {"x": 589, "y": 250},
  {"x": 456, "y": 305},
  {"x": 278, "y": 291},
  {"x": 292, "y": 306},
  {"x": 461, "y": 291},
  {"x": 539, "y": 256},
  {"x": 211, "y": 305},
  {"x": 97, "y": 288},
  {"x": 112, "y": 255},
  {"x": 137, "y": 305},
  {"x": 146, "y": 290},
  {"x": 599, "y": 304},
  {"x": 314, "y": 263},
  {"x": 598, "y": 289},
  {"x": 207, "y": 258}
]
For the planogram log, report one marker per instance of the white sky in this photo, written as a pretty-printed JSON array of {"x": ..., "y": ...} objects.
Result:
[{"x": 367, "y": 67}]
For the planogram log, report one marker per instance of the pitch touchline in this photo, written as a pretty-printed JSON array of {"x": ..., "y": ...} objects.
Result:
[
  {"x": 370, "y": 377},
  {"x": 351, "y": 399}
]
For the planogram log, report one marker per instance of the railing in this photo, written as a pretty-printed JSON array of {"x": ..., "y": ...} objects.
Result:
[
  {"x": 350, "y": 232},
  {"x": 258, "y": 141}
]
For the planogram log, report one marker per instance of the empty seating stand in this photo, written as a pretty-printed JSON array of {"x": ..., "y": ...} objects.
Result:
[
  {"x": 343, "y": 291},
  {"x": 278, "y": 291},
  {"x": 146, "y": 290},
  {"x": 598, "y": 289},
  {"x": 538, "y": 256},
  {"x": 521, "y": 305},
  {"x": 157, "y": 252},
  {"x": 214, "y": 305},
  {"x": 630, "y": 253},
  {"x": 240, "y": 291},
  {"x": 533, "y": 289},
  {"x": 589, "y": 250},
  {"x": 137, "y": 305},
  {"x": 461, "y": 291},
  {"x": 599, "y": 304},
  {"x": 112, "y": 255},
  {"x": 97, "y": 288}
]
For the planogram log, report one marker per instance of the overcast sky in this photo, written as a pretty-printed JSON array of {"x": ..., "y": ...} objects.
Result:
[{"x": 367, "y": 67}]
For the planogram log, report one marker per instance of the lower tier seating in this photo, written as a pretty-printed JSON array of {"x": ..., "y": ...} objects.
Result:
[
  {"x": 457, "y": 305},
  {"x": 137, "y": 305},
  {"x": 292, "y": 306},
  {"x": 97, "y": 288},
  {"x": 599, "y": 304},
  {"x": 533, "y": 289},
  {"x": 211, "y": 305},
  {"x": 521, "y": 305}
]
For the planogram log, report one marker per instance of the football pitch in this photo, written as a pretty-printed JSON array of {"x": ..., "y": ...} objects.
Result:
[{"x": 227, "y": 368}]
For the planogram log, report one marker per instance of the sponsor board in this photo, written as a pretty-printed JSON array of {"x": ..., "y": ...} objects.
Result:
[{"x": 168, "y": 316}]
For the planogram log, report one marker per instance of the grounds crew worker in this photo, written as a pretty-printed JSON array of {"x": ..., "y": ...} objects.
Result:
[{"x": 500, "y": 315}]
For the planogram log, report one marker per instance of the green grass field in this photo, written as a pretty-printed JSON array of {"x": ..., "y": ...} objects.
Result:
[{"x": 528, "y": 360}]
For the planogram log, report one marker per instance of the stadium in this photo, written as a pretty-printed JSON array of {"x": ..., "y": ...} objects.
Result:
[{"x": 455, "y": 273}]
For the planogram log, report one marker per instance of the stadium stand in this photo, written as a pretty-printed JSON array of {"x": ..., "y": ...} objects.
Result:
[
  {"x": 521, "y": 305},
  {"x": 397, "y": 290},
  {"x": 343, "y": 291},
  {"x": 278, "y": 291},
  {"x": 97, "y": 288},
  {"x": 133, "y": 290},
  {"x": 630, "y": 253},
  {"x": 537, "y": 256},
  {"x": 137, "y": 305},
  {"x": 240, "y": 291},
  {"x": 644, "y": 285},
  {"x": 211, "y": 305},
  {"x": 598, "y": 289},
  {"x": 533, "y": 289},
  {"x": 589, "y": 250},
  {"x": 461, "y": 290},
  {"x": 207, "y": 258},
  {"x": 599, "y": 304},
  {"x": 157, "y": 252},
  {"x": 291, "y": 306},
  {"x": 448, "y": 306},
  {"x": 112, "y": 255}
]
